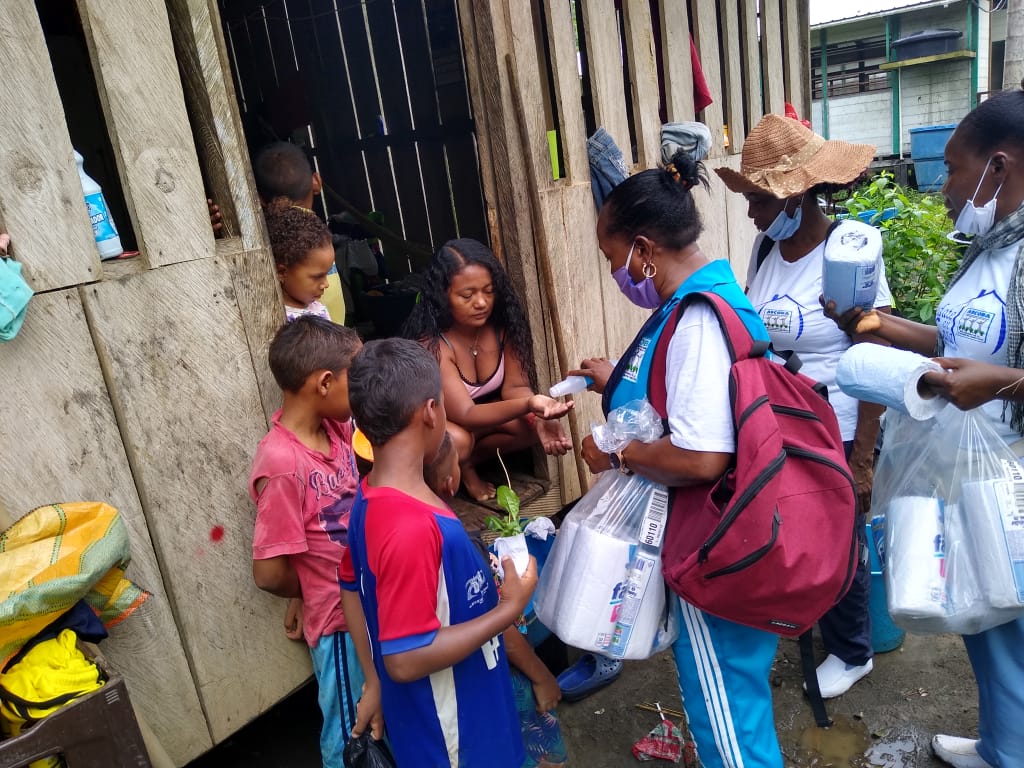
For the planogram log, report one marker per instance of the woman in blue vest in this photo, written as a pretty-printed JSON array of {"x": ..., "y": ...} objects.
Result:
[
  {"x": 984, "y": 369},
  {"x": 648, "y": 229}
]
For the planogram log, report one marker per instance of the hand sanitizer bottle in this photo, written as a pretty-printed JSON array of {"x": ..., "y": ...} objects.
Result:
[{"x": 103, "y": 229}]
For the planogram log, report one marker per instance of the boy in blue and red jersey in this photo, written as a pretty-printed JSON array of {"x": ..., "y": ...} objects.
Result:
[{"x": 438, "y": 670}]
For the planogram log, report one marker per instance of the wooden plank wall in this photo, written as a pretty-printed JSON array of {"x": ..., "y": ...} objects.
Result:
[
  {"x": 625, "y": 52},
  {"x": 143, "y": 382}
]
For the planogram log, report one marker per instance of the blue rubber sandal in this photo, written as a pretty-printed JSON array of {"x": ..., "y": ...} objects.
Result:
[{"x": 589, "y": 674}]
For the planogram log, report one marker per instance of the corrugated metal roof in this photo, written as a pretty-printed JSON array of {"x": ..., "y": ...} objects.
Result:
[{"x": 825, "y": 13}]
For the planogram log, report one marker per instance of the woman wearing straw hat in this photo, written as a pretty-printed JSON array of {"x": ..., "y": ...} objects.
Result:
[
  {"x": 984, "y": 368},
  {"x": 784, "y": 167}
]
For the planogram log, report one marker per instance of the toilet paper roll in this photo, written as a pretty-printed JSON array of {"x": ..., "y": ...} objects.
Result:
[
  {"x": 916, "y": 558},
  {"x": 888, "y": 376},
  {"x": 852, "y": 266},
  {"x": 548, "y": 595},
  {"x": 995, "y": 540}
]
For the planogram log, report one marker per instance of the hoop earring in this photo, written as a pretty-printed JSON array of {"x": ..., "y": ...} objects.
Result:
[{"x": 649, "y": 269}]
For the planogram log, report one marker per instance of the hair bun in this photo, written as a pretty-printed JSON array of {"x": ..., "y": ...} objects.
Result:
[{"x": 686, "y": 171}]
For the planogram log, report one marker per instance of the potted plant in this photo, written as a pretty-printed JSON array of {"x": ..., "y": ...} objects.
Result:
[{"x": 511, "y": 540}]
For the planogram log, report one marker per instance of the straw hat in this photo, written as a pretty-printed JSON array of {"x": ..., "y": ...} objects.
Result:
[{"x": 784, "y": 158}]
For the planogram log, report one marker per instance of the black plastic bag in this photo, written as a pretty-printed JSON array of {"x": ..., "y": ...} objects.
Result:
[{"x": 364, "y": 751}]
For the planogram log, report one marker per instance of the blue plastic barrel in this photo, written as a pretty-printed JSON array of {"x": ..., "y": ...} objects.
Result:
[
  {"x": 927, "y": 145},
  {"x": 885, "y": 635}
]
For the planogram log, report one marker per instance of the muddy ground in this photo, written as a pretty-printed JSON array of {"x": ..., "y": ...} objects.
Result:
[{"x": 885, "y": 720}]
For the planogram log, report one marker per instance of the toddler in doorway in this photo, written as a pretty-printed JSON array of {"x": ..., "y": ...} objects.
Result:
[
  {"x": 303, "y": 481},
  {"x": 303, "y": 255},
  {"x": 535, "y": 689}
]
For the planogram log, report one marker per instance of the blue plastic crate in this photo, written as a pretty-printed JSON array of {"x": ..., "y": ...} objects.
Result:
[{"x": 931, "y": 175}]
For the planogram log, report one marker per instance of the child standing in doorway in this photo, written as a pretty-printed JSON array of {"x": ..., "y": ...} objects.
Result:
[
  {"x": 303, "y": 256},
  {"x": 303, "y": 482},
  {"x": 438, "y": 667}
]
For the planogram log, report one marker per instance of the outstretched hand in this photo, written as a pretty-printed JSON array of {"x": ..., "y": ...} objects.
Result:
[
  {"x": 552, "y": 437},
  {"x": 544, "y": 407},
  {"x": 5, "y": 243}
]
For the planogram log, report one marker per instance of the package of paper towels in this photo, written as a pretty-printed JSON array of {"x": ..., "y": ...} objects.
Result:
[
  {"x": 586, "y": 580},
  {"x": 851, "y": 267},
  {"x": 888, "y": 376},
  {"x": 916, "y": 559},
  {"x": 995, "y": 527}
]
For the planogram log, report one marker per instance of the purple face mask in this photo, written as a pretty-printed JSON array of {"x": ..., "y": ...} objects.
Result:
[{"x": 643, "y": 294}]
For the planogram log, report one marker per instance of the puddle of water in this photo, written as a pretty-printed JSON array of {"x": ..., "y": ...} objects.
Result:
[
  {"x": 847, "y": 744},
  {"x": 841, "y": 745}
]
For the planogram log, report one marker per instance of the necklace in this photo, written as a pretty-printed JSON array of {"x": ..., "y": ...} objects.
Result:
[{"x": 474, "y": 348}]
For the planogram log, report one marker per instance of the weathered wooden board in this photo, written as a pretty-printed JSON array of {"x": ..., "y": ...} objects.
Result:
[
  {"x": 210, "y": 94},
  {"x": 705, "y": 23},
  {"x": 262, "y": 312},
  {"x": 772, "y": 71},
  {"x": 711, "y": 204},
  {"x": 59, "y": 441},
  {"x": 675, "y": 53},
  {"x": 41, "y": 201},
  {"x": 732, "y": 86},
  {"x": 741, "y": 230},
  {"x": 796, "y": 55},
  {"x": 639, "y": 42},
  {"x": 751, "y": 55},
  {"x": 572, "y": 130},
  {"x": 604, "y": 61},
  {"x": 145, "y": 113},
  {"x": 181, "y": 379}
]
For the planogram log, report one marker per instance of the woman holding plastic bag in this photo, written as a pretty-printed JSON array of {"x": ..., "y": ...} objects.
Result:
[
  {"x": 648, "y": 229},
  {"x": 978, "y": 341}
]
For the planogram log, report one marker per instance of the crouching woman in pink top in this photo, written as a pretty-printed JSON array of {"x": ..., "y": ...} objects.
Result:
[{"x": 471, "y": 319}]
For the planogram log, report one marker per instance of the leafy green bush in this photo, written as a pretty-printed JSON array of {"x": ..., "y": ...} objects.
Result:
[{"x": 919, "y": 258}]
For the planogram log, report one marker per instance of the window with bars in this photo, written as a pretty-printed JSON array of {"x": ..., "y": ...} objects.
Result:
[{"x": 853, "y": 67}]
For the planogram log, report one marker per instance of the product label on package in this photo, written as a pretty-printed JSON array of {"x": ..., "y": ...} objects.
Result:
[
  {"x": 864, "y": 290},
  {"x": 652, "y": 528},
  {"x": 1011, "y": 508},
  {"x": 642, "y": 567},
  {"x": 99, "y": 217}
]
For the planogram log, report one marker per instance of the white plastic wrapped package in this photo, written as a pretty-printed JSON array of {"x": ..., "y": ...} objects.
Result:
[
  {"x": 851, "y": 267},
  {"x": 953, "y": 497},
  {"x": 601, "y": 589}
]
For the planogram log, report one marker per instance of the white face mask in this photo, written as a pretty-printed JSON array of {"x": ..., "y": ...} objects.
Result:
[{"x": 974, "y": 220}]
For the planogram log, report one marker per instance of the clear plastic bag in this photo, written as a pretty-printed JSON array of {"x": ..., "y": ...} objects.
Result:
[
  {"x": 952, "y": 495},
  {"x": 602, "y": 588}
]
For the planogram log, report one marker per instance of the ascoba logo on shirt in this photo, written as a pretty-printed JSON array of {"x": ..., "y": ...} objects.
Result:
[
  {"x": 784, "y": 316},
  {"x": 980, "y": 321}
]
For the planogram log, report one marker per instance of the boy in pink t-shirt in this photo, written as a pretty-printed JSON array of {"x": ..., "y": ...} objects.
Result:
[{"x": 303, "y": 482}]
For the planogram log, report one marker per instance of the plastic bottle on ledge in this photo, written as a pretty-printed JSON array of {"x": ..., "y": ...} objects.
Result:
[{"x": 103, "y": 229}]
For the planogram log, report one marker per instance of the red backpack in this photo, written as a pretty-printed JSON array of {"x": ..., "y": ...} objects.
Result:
[{"x": 772, "y": 544}]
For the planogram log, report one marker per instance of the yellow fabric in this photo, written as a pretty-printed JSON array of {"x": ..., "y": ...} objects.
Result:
[
  {"x": 333, "y": 298},
  {"x": 54, "y": 557},
  {"x": 49, "y": 676}
]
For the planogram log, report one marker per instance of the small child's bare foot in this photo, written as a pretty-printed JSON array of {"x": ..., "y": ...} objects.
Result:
[{"x": 476, "y": 486}]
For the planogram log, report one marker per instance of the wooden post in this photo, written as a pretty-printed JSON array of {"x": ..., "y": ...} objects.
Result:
[
  {"x": 706, "y": 28},
  {"x": 41, "y": 201},
  {"x": 675, "y": 54},
  {"x": 733, "y": 89},
  {"x": 604, "y": 58},
  {"x": 149, "y": 128},
  {"x": 772, "y": 72},
  {"x": 643, "y": 70}
]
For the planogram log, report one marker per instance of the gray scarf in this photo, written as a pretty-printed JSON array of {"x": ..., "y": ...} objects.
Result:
[{"x": 1006, "y": 232}]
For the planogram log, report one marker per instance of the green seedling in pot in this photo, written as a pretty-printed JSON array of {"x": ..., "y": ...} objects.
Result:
[{"x": 508, "y": 500}]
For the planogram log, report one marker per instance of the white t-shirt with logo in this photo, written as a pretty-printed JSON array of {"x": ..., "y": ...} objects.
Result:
[
  {"x": 972, "y": 319},
  {"x": 785, "y": 294}
]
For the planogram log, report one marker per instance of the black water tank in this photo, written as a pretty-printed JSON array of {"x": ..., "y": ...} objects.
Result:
[{"x": 927, "y": 42}]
